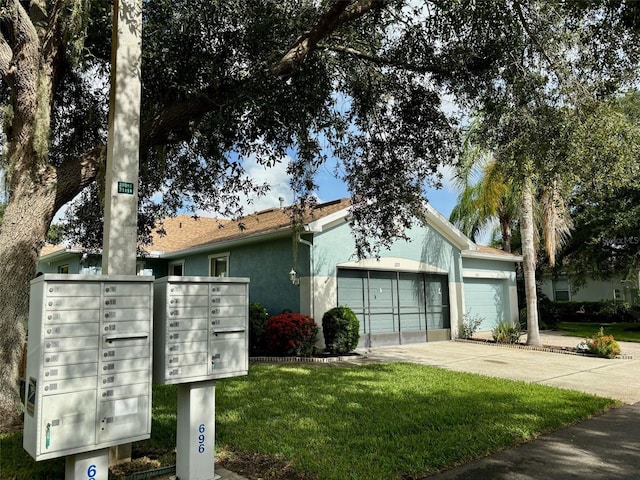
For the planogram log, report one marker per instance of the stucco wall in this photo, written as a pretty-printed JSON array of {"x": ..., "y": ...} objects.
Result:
[
  {"x": 596, "y": 290},
  {"x": 428, "y": 251},
  {"x": 267, "y": 265}
]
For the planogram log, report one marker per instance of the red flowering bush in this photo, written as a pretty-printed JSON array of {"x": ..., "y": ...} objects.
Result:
[{"x": 291, "y": 334}]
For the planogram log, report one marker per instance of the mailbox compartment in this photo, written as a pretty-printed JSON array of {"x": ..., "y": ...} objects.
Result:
[
  {"x": 88, "y": 363},
  {"x": 200, "y": 328},
  {"x": 68, "y": 422}
]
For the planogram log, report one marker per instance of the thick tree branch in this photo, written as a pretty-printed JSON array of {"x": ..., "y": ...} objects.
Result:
[
  {"x": 175, "y": 122},
  {"x": 74, "y": 176},
  {"x": 381, "y": 60},
  {"x": 26, "y": 59},
  {"x": 340, "y": 13}
]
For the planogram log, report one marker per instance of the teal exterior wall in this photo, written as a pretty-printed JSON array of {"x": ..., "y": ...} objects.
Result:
[
  {"x": 267, "y": 265},
  {"x": 489, "y": 265},
  {"x": 337, "y": 245}
]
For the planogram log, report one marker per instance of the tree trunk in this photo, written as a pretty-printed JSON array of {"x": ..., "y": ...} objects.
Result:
[
  {"x": 26, "y": 220},
  {"x": 505, "y": 229},
  {"x": 529, "y": 263}
]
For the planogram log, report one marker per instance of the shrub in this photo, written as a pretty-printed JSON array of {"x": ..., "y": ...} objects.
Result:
[
  {"x": 470, "y": 325},
  {"x": 506, "y": 331},
  {"x": 341, "y": 330},
  {"x": 603, "y": 345},
  {"x": 291, "y": 334},
  {"x": 595, "y": 312},
  {"x": 258, "y": 317}
]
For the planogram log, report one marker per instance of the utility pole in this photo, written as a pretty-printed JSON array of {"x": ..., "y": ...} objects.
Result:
[{"x": 123, "y": 144}]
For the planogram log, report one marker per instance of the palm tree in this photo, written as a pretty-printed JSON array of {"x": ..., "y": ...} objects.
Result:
[{"x": 488, "y": 194}]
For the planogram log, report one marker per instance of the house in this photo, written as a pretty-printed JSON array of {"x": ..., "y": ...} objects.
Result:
[
  {"x": 617, "y": 289},
  {"x": 417, "y": 291}
]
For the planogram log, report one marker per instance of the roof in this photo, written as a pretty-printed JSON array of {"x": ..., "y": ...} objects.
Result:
[
  {"x": 186, "y": 234},
  {"x": 262, "y": 222},
  {"x": 179, "y": 232},
  {"x": 482, "y": 251}
]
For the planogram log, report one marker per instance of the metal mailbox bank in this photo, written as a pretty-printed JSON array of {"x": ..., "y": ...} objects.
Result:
[
  {"x": 88, "y": 363},
  {"x": 201, "y": 330},
  {"x": 200, "y": 335}
]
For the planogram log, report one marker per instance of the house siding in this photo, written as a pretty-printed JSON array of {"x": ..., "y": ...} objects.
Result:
[
  {"x": 267, "y": 265},
  {"x": 428, "y": 251}
]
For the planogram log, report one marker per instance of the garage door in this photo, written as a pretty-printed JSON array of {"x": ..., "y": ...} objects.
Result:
[
  {"x": 395, "y": 307},
  {"x": 485, "y": 298}
]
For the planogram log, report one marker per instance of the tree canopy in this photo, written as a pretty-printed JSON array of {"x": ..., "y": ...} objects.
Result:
[{"x": 225, "y": 80}]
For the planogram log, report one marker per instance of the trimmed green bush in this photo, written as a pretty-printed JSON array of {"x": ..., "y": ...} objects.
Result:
[
  {"x": 341, "y": 330},
  {"x": 595, "y": 312},
  {"x": 291, "y": 334},
  {"x": 258, "y": 317}
]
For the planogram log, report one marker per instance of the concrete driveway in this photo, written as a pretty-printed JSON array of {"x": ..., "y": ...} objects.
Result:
[{"x": 616, "y": 378}]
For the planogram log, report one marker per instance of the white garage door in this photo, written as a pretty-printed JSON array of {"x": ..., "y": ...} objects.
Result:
[{"x": 486, "y": 298}]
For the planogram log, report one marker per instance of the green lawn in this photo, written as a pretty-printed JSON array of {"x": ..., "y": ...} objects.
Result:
[
  {"x": 624, "y": 332},
  {"x": 387, "y": 421}
]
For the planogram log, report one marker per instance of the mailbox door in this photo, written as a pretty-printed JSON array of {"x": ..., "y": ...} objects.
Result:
[{"x": 68, "y": 421}]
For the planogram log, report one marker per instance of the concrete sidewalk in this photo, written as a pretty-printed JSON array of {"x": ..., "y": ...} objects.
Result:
[{"x": 602, "y": 448}]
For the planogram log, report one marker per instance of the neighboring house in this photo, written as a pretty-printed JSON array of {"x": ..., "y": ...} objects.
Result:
[
  {"x": 611, "y": 290},
  {"x": 417, "y": 291}
]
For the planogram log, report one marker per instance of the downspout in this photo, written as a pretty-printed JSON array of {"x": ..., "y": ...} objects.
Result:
[{"x": 311, "y": 296}]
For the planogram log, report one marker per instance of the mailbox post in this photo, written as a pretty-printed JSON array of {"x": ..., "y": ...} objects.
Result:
[{"x": 200, "y": 336}]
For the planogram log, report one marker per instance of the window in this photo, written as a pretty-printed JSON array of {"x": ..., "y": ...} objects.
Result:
[
  {"x": 63, "y": 269},
  {"x": 219, "y": 265},
  {"x": 176, "y": 268},
  {"x": 561, "y": 290}
]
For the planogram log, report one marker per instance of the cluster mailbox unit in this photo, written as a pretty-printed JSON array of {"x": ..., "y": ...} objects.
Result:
[
  {"x": 201, "y": 327},
  {"x": 200, "y": 335},
  {"x": 88, "y": 378},
  {"x": 91, "y": 343}
]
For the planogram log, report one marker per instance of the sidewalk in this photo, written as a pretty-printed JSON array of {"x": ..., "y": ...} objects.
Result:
[{"x": 602, "y": 448}]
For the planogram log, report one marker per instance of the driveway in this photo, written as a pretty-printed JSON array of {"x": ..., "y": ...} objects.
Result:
[{"x": 616, "y": 378}]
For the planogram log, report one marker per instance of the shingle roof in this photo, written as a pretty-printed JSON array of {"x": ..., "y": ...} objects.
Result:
[
  {"x": 177, "y": 233},
  {"x": 184, "y": 232}
]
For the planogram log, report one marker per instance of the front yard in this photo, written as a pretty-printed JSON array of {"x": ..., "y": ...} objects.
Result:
[{"x": 393, "y": 421}]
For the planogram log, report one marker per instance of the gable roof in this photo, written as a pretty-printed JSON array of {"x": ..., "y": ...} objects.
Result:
[
  {"x": 490, "y": 253},
  {"x": 185, "y": 234}
]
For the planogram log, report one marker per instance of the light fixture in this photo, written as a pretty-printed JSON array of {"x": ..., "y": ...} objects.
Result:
[{"x": 293, "y": 276}]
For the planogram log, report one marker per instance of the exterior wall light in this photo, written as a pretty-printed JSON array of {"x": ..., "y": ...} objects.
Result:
[{"x": 293, "y": 276}]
